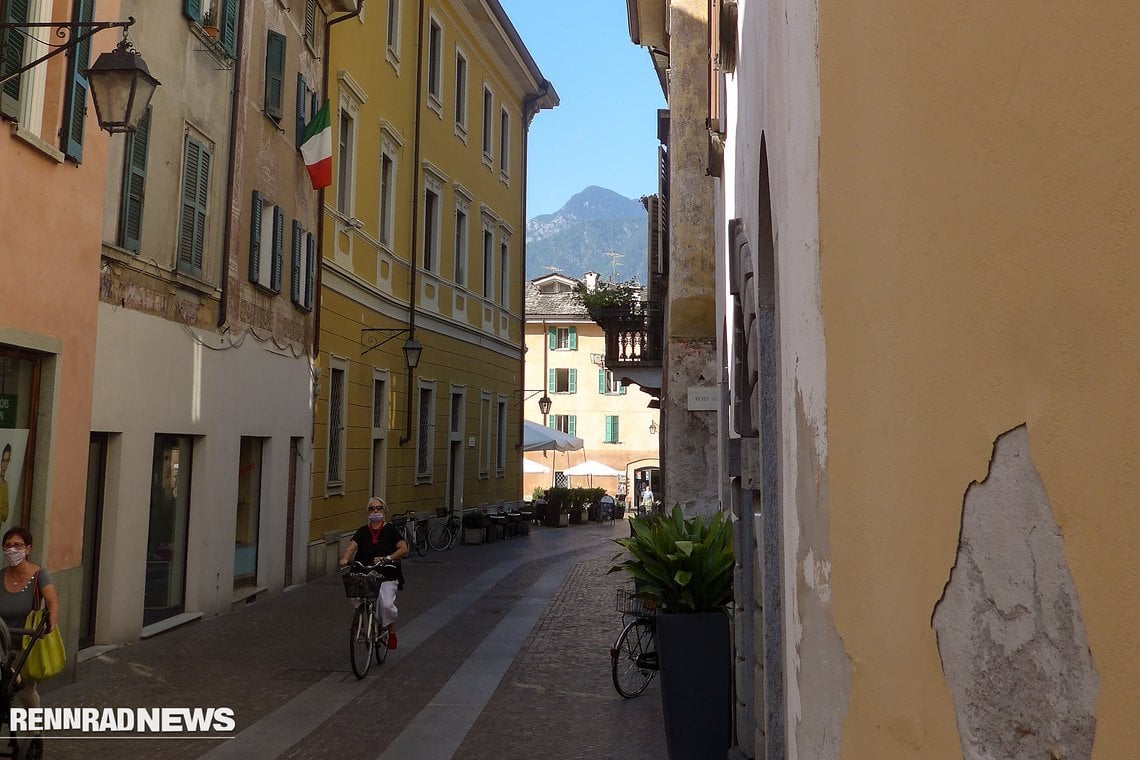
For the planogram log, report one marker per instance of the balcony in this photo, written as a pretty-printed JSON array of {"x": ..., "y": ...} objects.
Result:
[{"x": 634, "y": 334}]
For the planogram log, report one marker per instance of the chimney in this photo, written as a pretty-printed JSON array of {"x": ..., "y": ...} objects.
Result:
[{"x": 591, "y": 281}]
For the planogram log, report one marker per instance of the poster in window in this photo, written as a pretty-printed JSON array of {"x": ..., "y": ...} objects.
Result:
[{"x": 13, "y": 447}]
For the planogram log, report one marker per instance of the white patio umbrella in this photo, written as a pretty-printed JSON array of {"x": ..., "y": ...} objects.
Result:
[
  {"x": 531, "y": 467},
  {"x": 590, "y": 468}
]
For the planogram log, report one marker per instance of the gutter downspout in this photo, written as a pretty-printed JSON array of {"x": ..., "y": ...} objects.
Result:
[
  {"x": 412, "y": 259},
  {"x": 321, "y": 193},
  {"x": 231, "y": 169},
  {"x": 530, "y": 109}
]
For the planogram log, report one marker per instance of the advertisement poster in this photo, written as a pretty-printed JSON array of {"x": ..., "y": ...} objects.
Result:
[{"x": 13, "y": 447}]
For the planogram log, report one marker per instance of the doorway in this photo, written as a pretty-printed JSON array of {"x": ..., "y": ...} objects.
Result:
[{"x": 92, "y": 534}]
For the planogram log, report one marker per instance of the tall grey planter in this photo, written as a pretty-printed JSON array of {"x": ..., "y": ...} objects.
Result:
[{"x": 695, "y": 659}]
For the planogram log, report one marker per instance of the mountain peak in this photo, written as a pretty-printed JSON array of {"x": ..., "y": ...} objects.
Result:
[{"x": 580, "y": 236}]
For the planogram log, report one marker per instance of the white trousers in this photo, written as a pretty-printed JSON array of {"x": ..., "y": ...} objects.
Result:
[{"x": 386, "y": 603}]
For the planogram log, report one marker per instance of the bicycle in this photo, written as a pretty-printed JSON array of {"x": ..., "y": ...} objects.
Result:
[
  {"x": 443, "y": 533},
  {"x": 367, "y": 638},
  {"x": 634, "y": 654},
  {"x": 414, "y": 536}
]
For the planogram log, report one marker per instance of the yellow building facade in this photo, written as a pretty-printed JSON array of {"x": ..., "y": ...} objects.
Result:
[{"x": 422, "y": 245}]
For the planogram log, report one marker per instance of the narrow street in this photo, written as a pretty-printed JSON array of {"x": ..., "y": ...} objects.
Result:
[{"x": 503, "y": 653}]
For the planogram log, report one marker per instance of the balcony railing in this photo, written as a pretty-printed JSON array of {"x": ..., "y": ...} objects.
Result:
[{"x": 634, "y": 333}]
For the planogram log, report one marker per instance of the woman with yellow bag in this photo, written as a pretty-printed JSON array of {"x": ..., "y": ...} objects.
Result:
[{"x": 24, "y": 585}]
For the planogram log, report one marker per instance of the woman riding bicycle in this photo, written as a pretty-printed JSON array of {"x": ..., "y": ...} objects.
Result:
[{"x": 379, "y": 541}]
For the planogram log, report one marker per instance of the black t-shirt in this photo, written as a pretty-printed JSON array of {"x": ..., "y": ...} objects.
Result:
[{"x": 370, "y": 545}]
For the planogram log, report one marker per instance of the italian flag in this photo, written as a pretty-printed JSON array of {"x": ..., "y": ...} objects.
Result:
[{"x": 316, "y": 148}]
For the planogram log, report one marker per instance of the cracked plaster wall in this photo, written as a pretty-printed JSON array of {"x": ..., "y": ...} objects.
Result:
[{"x": 1010, "y": 631}]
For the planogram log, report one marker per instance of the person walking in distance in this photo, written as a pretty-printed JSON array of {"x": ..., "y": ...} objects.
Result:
[
  {"x": 379, "y": 541},
  {"x": 646, "y": 497}
]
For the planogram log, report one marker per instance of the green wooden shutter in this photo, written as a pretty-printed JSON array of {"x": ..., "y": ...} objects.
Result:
[
  {"x": 609, "y": 429},
  {"x": 255, "y": 238},
  {"x": 573, "y": 338},
  {"x": 552, "y": 423},
  {"x": 193, "y": 10},
  {"x": 193, "y": 202},
  {"x": 573, "y": 427},
  {"x": 12, "y": 43},
  {"x": 75, "y": 105},
  {"x": 552, "y": 338},
  {"x": 295, "y": 274},
  {"x": 551, "y": 381},
  {"x": 601, "y": 381},
  {"x": 302, "y": 104},
  {"x": 617, "y": 431},
  {"x": 311, "y": 270},
  {"x": 622, "y": 389},
  {"x": 278, "y": 249},
  {"x": 134, "y": 186},
  {"x": 274, "y": 73},
  {"x": 229, "y": 18},
  {"x": 573, "y": 381}
]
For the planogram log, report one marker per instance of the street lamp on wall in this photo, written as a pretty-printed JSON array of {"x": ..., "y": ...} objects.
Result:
[
  {"x": 544, "y": 405},
  {"x": 653, "y": 427},
  {"x": 121, "y": 84},
  {"x": 412, "y": 351}
]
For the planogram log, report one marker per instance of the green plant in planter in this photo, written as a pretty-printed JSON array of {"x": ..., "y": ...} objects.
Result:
[
  {"x": 608, "y": 294},
  {"x": 686, "y": 565},
  {"x": 474, "y": 520},
  {"x": 537, "y": 493}
]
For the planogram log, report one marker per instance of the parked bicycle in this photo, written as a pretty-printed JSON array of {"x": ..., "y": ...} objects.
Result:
[
  {"x": 367, "y": 638},
  {"x": 634, "y": 654},
  {"x": 444, "y": 533},
  {"x": 414, "y": 535}
]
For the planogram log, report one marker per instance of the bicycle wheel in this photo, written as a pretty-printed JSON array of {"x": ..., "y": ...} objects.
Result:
[
  {"x": 381, "y": 647},
  {"x": 361, "y": 638},
  {"x": 439, "y": 537},
  {"x": 633, "y": 656},
  {"x": 419, "y": 539}
]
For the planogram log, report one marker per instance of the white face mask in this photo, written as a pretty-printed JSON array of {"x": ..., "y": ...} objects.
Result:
[
  {"x": 375, "y": 517},
  {"x": 15, "y": 556}
]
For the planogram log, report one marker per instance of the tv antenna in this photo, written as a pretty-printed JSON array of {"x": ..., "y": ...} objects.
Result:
[{"x": 613, "y": 256}]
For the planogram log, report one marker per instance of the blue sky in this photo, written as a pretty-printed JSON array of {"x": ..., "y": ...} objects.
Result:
[{"x": 605, "y": 130}]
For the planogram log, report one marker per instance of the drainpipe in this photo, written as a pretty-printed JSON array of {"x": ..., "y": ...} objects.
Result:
[
  {"x": 321, "y": 193},
  {"x": 530, "y": 108},
  {"x": 231, "y": 169},
  {"x": 412, "y": 260}
]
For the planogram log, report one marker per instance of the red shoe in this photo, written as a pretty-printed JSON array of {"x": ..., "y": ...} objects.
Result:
[{"x": 391, "y": 639}]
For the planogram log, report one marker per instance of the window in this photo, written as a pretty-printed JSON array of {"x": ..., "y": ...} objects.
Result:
[
  {"x": 501, "y": 438},
  {"x": 488, "y": 263},
  {"x": 485, "y": 435},
  {"x": 206, "y": 13},
  {"x": 274, "y": 74},
  {"x": 564, "y": 423},
  {"x": 311, "y": 22},
  {"x": 248, "y": 511},
  {"x": 303, "y": 278},
  {"x": 425, "y": 445},
  {"x": 306, "y": 108},
  {"x": 387, "y": 197},
  {"x": 562, "y": 380},
  {"x": 166, "y": 544},
  {"x": 134, "y": 185},
  {"x": 611, "y": 429},
  {"x": 504, "y": 144},
  {"x": 562, "y": 338},
  {"x": 193, "y": 201},
  {"x": 393, "y": 38},
  {"x": 487, "y": 106},
  {"x": 431, "y": 229},
  {"x": 609, "y": 384},
  {"x": 460, "y": 94},
  {"x": 435, "y": 52},
  {"x": 379, "y": 432},
  {"x": 266, "y": 240},
  {"x": 504, "y": 273},
  {"x": 345, "y": 164},
  {"x": 460, "y": 246},
  {"x": 334, "y": 470}
]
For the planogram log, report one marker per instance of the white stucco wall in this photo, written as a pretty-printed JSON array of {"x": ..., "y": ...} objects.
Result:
[{"x": 155, "y": 376}]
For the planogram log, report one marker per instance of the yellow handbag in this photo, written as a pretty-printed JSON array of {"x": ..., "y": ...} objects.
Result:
[{"x": 47, "y": 656}]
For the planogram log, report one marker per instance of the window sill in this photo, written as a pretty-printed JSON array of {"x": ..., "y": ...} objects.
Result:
[
  {"x": 265, "y": 289},
  {"x": 488, "y": 161},
  {"x": 434, "y": 104},
  {"x": 191, "y": 282},
  {"x": 393, "y": 60},
  {"x": 461, "y": 132},
  {"x": 171, "y": 622},
  {"x": 335, "y": 488},
  {"x": 213, "y": 45},
  {"x": 505, "y": 179},
  {"x": 33, "y": 140}
]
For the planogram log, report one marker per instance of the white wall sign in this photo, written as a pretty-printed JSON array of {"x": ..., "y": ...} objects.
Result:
[{"x": 703, "y": 399}]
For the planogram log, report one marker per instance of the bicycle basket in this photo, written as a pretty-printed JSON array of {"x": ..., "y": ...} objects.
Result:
[
  {"x": 627, "y": 603},
  {"x": 361, "y": 585}
]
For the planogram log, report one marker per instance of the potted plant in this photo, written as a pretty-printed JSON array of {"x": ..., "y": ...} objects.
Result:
[
  {"x": 210, "y": 20},
  {"x": 686, "y": 566},
  {"x": 579, "y": 503},
  {"x": 474, "y": 522},
  {"x": 557, "y": 507},
  {"x": 607, "y": 295}
]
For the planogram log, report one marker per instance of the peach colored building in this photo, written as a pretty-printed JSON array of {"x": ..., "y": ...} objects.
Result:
[{"x": 51, "y": 213}]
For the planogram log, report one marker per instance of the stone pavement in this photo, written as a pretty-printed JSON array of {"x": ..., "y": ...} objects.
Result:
[{"x": 504, "y": 653}]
